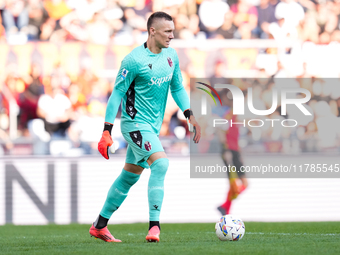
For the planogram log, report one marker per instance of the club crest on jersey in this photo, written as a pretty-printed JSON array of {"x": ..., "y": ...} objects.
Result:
[
  {"x": 147, "y": 146},
  {"x": 124, "y": 73},
  {"x": 170, "y": 61}
]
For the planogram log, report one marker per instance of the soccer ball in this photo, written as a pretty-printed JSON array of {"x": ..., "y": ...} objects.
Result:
[{"x": 230, "y": 228}]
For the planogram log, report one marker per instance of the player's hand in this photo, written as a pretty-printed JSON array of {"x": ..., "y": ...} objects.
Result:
[
  {"x": 104, "y": 144},
  {"x": 196, "y": 127}
]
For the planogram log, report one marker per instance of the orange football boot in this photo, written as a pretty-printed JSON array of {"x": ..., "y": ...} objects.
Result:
[
  {"x": 103, "y": 234},
  {"x": 153, "y": 235}
]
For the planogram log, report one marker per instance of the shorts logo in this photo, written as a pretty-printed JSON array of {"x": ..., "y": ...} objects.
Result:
[
  {"x": 147, "y": 146},
  {"x": 137, "y": 138},
  {"x": 124, "y": 73},
  {"x": 170, "y": 61}
]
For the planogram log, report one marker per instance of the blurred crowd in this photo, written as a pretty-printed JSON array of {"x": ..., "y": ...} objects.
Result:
[
  {"x": 60, "y": 116},
  {"x": 63, "y": 114},
  {"x": 124, "y": 22},
  {"x": 52, "y": 107}
]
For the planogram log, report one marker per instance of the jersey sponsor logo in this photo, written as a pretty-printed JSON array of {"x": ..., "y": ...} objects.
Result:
[
  {"x": 124, "y": 73},
  {"x": 170, "y": 61},
  {"x": 160, "y": 81},
  {"x": 147, "y": 146}
]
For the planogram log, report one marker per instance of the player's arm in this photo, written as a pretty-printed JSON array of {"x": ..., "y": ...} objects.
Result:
[
  {"x": 124, "y": 78},
  {"x": 182, "y": 100}
]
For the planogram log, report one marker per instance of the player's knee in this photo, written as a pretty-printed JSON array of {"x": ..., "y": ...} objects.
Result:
[
  {"x": 132, "y": 168},
  {"x": 159, "y": 167},
  {"x": 133, "y": 180},
  {"x": 129, "y": 178}
]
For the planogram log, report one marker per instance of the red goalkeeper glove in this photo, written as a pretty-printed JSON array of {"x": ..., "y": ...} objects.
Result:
[{"x": 104, "y": 143}]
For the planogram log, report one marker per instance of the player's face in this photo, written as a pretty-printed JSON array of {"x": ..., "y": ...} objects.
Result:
[{"x": 164, "y": 32}]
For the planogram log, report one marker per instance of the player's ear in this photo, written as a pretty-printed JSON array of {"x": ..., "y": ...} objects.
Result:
[{"x": 152, "y": 30}]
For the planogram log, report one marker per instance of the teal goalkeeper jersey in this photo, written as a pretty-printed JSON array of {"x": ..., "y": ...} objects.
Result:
[{"x": 145, "y": 79}]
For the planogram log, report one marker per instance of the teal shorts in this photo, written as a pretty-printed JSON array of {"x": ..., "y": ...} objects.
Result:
[{"x": 141, "y": 145}]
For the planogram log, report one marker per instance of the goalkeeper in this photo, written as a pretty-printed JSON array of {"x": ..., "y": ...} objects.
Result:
[{"x": 143, "y": 82}]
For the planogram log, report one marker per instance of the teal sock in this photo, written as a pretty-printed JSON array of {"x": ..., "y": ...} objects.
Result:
[
  {"x": 118, "y": 192},
  {"x": 156, "y": 187}
]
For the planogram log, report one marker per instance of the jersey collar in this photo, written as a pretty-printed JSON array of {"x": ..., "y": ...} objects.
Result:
[{"x": 150, "y": 52}]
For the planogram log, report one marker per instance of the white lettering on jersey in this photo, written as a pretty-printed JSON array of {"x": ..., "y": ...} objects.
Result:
[{"x": 160, "y": 81}]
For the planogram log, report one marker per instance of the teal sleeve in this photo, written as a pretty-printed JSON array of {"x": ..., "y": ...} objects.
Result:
[
  {"x": 181, "y": 98},
  {"x": 113, "y": 105},
  {"x": 126, "y": 74},
  {"x": 177, "y": 89}
]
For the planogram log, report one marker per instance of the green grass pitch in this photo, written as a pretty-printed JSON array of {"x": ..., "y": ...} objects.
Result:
[{"x": 260, "y": 238}]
